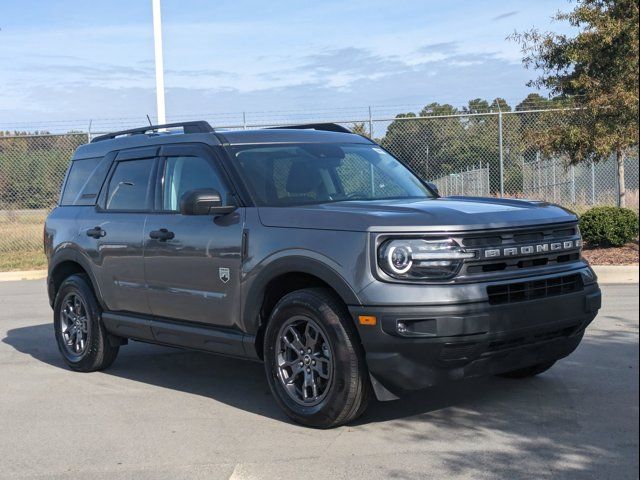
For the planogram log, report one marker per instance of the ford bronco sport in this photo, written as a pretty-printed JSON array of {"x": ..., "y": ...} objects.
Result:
[{"x": 311, "y": 249}]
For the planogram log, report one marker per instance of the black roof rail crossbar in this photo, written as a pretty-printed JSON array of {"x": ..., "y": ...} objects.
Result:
[
  {"x": 329, "y": 127},
  {"x": 199, "y": 126}
]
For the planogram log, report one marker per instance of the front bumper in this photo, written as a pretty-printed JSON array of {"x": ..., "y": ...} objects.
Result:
[{"x": 446, "y": 342}]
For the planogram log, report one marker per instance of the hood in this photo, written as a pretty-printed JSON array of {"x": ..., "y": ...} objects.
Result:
[{"x": 449, "y": 214}]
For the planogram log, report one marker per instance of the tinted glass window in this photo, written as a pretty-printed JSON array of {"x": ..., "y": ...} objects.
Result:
[
  {"x": 182, "y": 174},
  {"x": 81, "y": 174},
  {"x": 129, "y": 185},
  {"x": 281, "y": 175}
]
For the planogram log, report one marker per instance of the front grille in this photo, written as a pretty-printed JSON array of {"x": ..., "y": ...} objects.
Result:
[
  {"x": 458, "y": 351},
  {"x": 520, "y": 249},
  {"x": 534, "y": 289},
  {"x": 462, "y": 352},
  {"x": 510, "y": 237},
  {"x": 516, "y": 264},
  {"x": 500, "y": 345}
]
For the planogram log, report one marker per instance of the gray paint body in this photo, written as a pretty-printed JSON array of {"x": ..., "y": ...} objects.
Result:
[{"x": 146, "y": 285}]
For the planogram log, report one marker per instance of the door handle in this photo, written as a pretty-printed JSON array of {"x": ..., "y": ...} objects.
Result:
[
  {"x": 96, "y": 232},
  {"x": 161, "y": 235}
]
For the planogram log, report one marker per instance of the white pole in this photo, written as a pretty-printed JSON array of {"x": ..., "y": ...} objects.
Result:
[{"x": 157, "y": 44}]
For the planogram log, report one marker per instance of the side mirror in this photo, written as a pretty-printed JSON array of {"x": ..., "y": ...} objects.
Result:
[
  {"x": 433, "y": 187},
  {"x": 203, "y": 201}
]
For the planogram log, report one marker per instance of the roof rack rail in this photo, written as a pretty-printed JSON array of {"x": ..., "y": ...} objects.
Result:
[
  {"x": 188, "y": 127},
  {"x": 329, "y": 127}
]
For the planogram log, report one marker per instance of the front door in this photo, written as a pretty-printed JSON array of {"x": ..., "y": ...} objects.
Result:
[{"x": 192, "y": 262}]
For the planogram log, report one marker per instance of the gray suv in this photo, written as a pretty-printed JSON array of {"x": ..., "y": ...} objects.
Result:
[{"x": 315, "y": 251}]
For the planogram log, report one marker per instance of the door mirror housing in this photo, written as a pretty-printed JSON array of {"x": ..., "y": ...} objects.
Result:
[
  {"x": 204, "y": 201},
  {"x": 433, "y": 187}
]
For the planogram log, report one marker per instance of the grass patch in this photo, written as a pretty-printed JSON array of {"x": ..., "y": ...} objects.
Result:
[
  {"x": 29, "y": 260},
  {"x": 21, "y": 240}
]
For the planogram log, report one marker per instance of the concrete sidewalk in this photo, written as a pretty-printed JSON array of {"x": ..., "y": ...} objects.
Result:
[
  {"x": 22, "y": 275},
  {"x": 616, "y": 274}
]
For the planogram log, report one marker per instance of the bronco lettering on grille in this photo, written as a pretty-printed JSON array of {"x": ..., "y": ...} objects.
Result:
[{"x": 531, "y": 249}]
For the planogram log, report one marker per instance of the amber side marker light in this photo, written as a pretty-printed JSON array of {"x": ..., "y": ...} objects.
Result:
[{"x": 367, "y": 320}]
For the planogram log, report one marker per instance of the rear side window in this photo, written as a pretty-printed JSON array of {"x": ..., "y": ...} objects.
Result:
[
  {"x": 129, "y": 186},
  {"x": 84, "y": 181}
]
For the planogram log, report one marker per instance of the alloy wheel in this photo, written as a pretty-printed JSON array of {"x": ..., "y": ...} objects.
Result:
[
  {"x": 304, "y": 360},
  {"x": 74, "y": 324}
]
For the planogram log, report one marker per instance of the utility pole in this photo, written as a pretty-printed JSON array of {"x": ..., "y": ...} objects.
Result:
[
  {"x": 501, "y": 154},
  {"x": 157, "y": 44}
]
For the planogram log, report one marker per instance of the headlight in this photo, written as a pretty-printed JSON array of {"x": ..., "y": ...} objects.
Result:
[{"x": 419, "y": 259}]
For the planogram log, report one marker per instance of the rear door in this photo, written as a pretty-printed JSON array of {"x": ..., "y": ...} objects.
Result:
[
  {"x": 192, "y": 262},
  {"x": 113, "y": 231}
]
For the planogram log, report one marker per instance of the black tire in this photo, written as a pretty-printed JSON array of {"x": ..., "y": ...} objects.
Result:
[
  {"x": 96, "y": 352},
  {"x": 527, "y": 372},
  {"x": 348, "y": 390}
]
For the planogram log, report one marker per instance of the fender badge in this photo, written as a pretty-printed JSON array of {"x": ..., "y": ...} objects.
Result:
[{"x": 224, "y": 274}]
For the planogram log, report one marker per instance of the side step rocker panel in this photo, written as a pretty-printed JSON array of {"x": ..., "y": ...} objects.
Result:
[{"x": 179, "y": 334}]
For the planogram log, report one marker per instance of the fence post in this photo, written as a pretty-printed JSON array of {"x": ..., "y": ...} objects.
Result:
[
  {"x": 573, "y": 185},
  {"x": 244, "y": 120},
  {"x": 553, "y": 179},
  {"x": 488, "y": 180},
  {"x": 501, "y": 154},
  {"x": 370, "y": 125},
  {"x": 539, "y": 172},
  {"x": 89, "y": 131},
  {"x": 593, "y": 183},
  {"x": 426, "y": 164}
]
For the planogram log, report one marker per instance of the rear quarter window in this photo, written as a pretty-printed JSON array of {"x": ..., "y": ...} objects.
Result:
[{"x": 84, "y": 180}]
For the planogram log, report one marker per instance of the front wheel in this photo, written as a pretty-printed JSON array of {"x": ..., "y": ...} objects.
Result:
[
  {"x": 313, "y": 359},
  {"x": 80, "y": 334},
  {"x": 527, "y": 372}
]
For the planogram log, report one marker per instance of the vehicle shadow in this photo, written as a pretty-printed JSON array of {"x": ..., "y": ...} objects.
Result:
[
  {"x": 580, "y": 419},
  {"x": 236, "y": 382},
  {"x": 241, "y": 383},
  {"x": 540, "y": 419}
]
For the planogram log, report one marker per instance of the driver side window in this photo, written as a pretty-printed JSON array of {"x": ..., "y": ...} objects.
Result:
[{"x": 182, "y": 174}]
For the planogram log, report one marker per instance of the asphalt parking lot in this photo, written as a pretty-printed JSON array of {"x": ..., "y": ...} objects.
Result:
[{"x": 167, "y": 413}]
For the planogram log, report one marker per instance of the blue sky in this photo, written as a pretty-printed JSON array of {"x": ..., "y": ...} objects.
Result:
[{"x": 72, "y": 60}]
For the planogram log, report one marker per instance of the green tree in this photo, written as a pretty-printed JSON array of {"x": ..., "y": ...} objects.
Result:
[
  {"x": 447, "y": 140},
  {"x": 533, "y": 101},
  {"x": 499, "y": 105},
  {"x": 360, "y": 129},
  {"x": 597, "y": 69}
]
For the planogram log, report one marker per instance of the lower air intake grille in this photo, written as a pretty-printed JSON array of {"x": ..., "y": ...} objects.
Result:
[{"x": 523, "y": 291}]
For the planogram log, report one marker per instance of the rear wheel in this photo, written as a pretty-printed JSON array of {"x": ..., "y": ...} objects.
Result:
[
  {"x": 527, "y": 372},
  {"x": 82, "y": 339},
  {"x": 314, "y": 362}
]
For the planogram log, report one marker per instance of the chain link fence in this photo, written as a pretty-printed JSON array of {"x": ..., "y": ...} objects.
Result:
[
  {"x": 494, "y": 154},
  {"x": 473, "y": 154},
  {"x": 32, "y": 168},
  {"x": 473, "y": 182}
]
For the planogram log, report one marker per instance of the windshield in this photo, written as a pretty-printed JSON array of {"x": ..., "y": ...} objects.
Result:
[{"x": 283, "y": 175}]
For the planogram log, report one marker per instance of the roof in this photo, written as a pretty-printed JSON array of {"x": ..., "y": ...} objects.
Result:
[
  {"x": 99, "y": 149},
  {"x": 287, "y": 135},
  {"x": 201, "y": 132}
]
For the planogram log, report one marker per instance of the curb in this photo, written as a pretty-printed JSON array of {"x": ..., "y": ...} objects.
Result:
[
  {"x": 24, "y": 275},
  {"x": 607, "y": 274}
]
